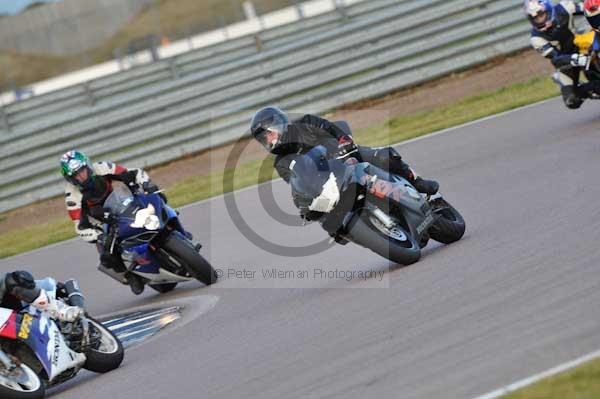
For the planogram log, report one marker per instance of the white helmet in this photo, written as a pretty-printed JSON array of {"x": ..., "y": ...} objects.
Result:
[{"x": 540, "y": 13}]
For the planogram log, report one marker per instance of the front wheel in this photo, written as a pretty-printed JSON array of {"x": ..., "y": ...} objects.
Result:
[
  {"x": 20, "y": 383},
  {"x": 450, "y": 226},
  {"x": 185, "y": 253},
  {"x": 394, "y": 244},
  {"x": 107, "y": 353}
]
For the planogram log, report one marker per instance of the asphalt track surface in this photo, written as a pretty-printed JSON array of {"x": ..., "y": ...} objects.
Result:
[{"x": 518, "y": 295}]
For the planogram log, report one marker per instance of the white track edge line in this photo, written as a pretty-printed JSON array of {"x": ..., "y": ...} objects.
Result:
[{"x": 537, "y": 377}]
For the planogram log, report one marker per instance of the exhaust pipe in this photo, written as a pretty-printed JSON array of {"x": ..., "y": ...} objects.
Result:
[{"x": 117, "y": 276}]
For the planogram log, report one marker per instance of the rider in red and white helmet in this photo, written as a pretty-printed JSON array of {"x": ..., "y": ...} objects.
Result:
[
  {"x": 592, "y": 13},
  {"x": 553, "y": 36}
]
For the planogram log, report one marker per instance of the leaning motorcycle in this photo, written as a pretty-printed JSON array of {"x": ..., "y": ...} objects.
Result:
[
  {"x": 359, "y": 202},
  {"x": 151, "y": 241},
  {"x": 587, "y": 44},
  {"x": 37, "y": 352}
]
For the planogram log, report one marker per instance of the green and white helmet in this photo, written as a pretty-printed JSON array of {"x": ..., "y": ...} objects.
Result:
[{"x": 73, "y": 162}]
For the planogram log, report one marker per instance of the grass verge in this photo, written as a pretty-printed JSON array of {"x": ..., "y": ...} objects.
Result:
[
  {"x": 582, "y": 382},
  {"x": 393, "y": 131}
]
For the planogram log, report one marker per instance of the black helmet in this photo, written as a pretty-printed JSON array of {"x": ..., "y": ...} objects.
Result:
[
  {"x": 19, "y": 278},
  {"x": 268, "y": 125}
]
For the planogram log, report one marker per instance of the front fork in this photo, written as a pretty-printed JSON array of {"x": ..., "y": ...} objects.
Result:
[
  {"x": 13, "y": 370},
  {"x": 6, "y": 361}
]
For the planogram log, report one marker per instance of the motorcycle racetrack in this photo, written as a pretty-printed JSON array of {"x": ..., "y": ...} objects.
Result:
[{"x": 517, "y": 295}]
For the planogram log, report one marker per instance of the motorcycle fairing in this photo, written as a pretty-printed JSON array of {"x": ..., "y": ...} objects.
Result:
[
  {"x": 139, "y": 251},
  {"x": 8, "y": 323},
  {"x": 46, "y": 341},
  {"x": 141, "y": 255},
  {"x": 393, "y": 188},
  {"x": 163, "y": 276},
  {"x": 148, "y": 266}
]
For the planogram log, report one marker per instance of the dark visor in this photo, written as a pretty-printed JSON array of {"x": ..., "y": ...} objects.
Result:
[{"x": 594, "y": 21}]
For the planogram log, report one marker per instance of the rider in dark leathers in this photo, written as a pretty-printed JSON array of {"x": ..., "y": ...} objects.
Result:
[{"x": 285, "y": 138}]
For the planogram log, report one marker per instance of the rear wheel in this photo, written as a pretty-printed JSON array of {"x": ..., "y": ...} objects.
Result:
[
  {"x": 163, "y": 288},
  {"x": 108, "y": 353},
  {"x": 395, "y": 243},
  {"x": 20, "y": 383},
  {"x": 186, "y": 254},
  {"x": 450, "y": 226}
]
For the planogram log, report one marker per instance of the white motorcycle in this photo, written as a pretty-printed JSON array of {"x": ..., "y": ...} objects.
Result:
[{"x": 37, "y": 352}]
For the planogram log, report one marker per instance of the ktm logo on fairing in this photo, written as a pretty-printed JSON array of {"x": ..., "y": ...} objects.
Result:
[{"x": 382, "y": 189}]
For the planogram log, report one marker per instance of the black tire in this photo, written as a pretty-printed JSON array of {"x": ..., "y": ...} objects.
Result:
[
  {"x": 109, "y": 356},
  {"x": 364, "y": 233},
  {"x": 36, "y": 391},
  {"x": 163, "y": 288},
  {"x": 184, "y": 252},
  {"x": 450, "y": 227}
]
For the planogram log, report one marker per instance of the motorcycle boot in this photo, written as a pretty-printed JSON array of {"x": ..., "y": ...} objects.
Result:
[
  {"x": 111, "y": 261},
  {"x": 429, "y": 187},
  {"x": 389, "y": 159},
  {"x": 135, "y": 283}
]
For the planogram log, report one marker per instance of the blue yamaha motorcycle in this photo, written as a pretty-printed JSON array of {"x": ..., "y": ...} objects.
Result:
[{"x": 151, "y": 241}]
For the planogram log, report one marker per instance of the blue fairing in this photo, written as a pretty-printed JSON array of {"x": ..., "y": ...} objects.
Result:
[
  {"x": 596, "y": 44},
  {"x": 126, "y": 208},
  {"x": 146, "y": 261},
  {"x": 141, "y": 201},
  {"x": 39, "y": 338}
]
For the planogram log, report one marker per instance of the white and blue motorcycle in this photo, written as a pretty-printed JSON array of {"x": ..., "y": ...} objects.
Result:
[
  {"x": 37, "y": 352},
  {"x": 152, "y": 243}
]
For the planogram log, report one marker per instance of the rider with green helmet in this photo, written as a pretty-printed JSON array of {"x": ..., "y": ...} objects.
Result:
[{"x": 88, "y": 186}]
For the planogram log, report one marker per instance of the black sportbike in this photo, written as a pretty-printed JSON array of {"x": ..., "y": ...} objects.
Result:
[{"x": 359, "y": 202}]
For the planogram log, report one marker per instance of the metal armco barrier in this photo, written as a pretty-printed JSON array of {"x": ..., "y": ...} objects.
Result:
[{"x": 198, "y": 100}]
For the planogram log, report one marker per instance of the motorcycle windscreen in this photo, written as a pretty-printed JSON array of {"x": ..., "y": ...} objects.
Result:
[
  {"x": 120, "y": 202},
  {"x": 123, "y": 204},
  {"x": 311, "y": 171}
]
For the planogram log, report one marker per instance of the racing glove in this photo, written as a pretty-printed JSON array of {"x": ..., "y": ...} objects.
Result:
[
  {"x": 346, "y": 147},
  {"x": 149, "y": 187},
  {"x": 90, "y": 235},
  {"x": 86, "y": 231},
  {"x": 56, "y": 309},
  {"x": 579, "y": 60},
  {"x": 310, "y": 216}
]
